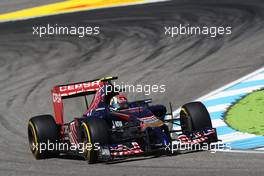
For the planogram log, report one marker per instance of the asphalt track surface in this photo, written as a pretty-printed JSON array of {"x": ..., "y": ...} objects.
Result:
[{"x": 131, "y": 45}]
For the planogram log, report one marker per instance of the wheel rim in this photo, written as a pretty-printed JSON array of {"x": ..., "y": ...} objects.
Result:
[
  {"x": 86, "y": 140},
  {"x": 32, "y": 138},
  {"x": 184, "y": 118}
]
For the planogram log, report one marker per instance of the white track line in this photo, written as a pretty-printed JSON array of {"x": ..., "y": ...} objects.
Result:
[
  {"x": 218, "y": 123},
  {"x": 231, "y": 84},
  {"x": 260, "y": 149},
  {"x": 235, "y": 136},
  {"x": 233, "y": 92},
  {"x": 217, "y": 108},
  {"x": 241, "y": 151},
  {"x": 256, "y": 78}
]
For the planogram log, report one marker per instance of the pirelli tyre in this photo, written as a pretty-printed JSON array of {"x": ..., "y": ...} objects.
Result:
[
  {"x": 43, "y": 132},
  {"x": 194, "y": 116},
  {"x": 94, "y": 134}
]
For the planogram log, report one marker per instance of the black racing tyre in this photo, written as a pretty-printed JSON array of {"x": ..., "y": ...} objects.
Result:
[
  {"x": 43, "y": 130},
  {"x": 194, "y": 116},
  {"x": 94, "y": 133}
]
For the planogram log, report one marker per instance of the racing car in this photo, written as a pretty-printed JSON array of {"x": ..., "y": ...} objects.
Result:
[{"x": 113, "y": 127}]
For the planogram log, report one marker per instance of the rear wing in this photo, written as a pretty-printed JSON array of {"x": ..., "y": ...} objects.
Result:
[{"x": 71, "y": 90}]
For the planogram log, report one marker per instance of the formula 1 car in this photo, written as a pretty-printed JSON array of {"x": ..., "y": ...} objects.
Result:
[{"x": 103, "y": 134}]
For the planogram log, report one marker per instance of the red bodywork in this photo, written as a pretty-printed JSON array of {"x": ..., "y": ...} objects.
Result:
[{"x": 61, "y": 92}]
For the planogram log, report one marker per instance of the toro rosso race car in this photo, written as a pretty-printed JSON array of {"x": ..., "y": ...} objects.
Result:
[{"x": 113, "y": 127}]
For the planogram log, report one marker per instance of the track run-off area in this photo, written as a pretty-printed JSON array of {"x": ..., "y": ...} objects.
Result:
[{"x": 218, "y": 102}]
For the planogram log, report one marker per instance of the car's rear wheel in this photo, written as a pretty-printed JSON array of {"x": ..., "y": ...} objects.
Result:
[
  {"x": 43, "y": 131},
  {"x": 94, "y": 134}
]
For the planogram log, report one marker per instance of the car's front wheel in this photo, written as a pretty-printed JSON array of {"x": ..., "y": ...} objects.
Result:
[{"x": 194, "y": 116}]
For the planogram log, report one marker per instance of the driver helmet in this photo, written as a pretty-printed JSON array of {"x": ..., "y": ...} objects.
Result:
[{"x": 118, "y": 102}]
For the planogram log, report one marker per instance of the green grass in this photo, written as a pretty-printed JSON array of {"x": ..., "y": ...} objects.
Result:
[{"x": 247, "y": 114}]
